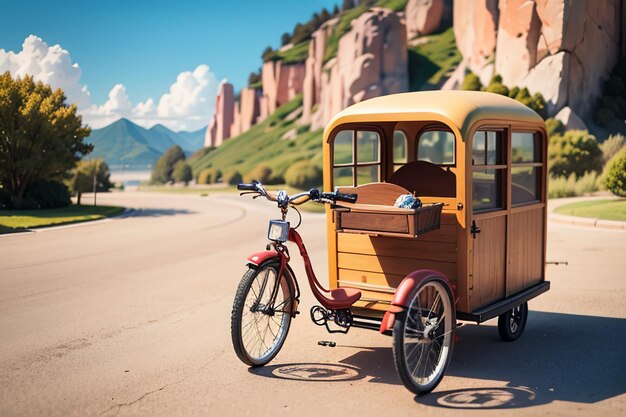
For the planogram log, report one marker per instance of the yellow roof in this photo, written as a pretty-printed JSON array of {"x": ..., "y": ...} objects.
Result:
[{"x": 458, "y": 109}]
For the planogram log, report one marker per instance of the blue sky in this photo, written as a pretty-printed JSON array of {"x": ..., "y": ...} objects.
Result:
[{"x": 144, "y": 45}]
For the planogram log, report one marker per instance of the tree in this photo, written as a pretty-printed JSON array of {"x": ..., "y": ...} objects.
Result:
[
  {"x": 336, "y": 10},
  {"x": 41, "y": 136},
  {"x": 471, "y": 82},
  {"x": 576, "y": 151},
  {"x": 324, "y": 15},
  {"x": 285, "y": 39},
  {"x": 182, "y": 172},
  {"x": 347, "y": 5},
  {"x": 254, "y": 78},
  {"x": 83, "y": 177},
  {"x": 162, "y": 171}
]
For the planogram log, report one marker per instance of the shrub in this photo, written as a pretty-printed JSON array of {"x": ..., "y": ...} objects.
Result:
[
  {"x": 611, "y": 146},
  {"x": 576, "y": 151},
  {"x": 232, "y": 178},
  {"x": 555, "y": 127},
  {"x": 560, "y": 187},
  {"x": 614, "y": 177},
  {"x": 304, "y": 175},
  {"x": 182, "y": 172},
  {"x": 260, "y": 173},
  {"x": 162, "y": 171},
  {"x": 471, "y": 82},
  {"x": 46, "y": 194},
  {"x": 206, "y": 176},
  {"x": 496, "y": 86}
]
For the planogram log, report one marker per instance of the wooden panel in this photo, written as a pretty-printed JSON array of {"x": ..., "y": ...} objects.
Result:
[
  {"x": 377, "y": 193},
  {"x": 526, "y": 246},
  {"x": 377, "y": 222},
  {"x": 370, "y": 278},
  {"x": 487, "y": 280},
  {"x": 392, "y": 265},
  {"x": 403, "y": 248}
]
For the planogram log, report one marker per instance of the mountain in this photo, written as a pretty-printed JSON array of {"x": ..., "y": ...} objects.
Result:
[{"x": 126, "y": 143}]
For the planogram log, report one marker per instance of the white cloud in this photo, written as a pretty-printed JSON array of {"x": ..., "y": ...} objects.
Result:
[
  {"x": 189, "y": 104},
  {"x": 51, "y": 64}
]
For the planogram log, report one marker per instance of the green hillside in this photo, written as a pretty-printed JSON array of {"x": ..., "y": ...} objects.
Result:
[{"x": 263, "y": 143}]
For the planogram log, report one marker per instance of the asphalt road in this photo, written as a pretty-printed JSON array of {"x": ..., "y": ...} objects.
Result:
[{"x": 131, "y": 316}]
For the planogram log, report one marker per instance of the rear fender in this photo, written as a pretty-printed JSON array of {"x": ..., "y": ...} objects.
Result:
[{"x": 405, "y": 292}]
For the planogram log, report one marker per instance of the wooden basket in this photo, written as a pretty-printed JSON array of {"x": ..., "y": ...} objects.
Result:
[{"x": 378, "y": 220}]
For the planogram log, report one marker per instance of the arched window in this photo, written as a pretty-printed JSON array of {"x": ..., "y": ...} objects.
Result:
[{"x": 356, "y": 157}]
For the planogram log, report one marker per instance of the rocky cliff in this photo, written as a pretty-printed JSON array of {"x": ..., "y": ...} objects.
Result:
[{"x": 563, "y": 49}]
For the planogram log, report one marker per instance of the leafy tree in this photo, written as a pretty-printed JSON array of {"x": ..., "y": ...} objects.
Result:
[
  {"x": 576, "y": 151},
  {"x": 285, "y": 39},
  {"x": 614, "y": 178},
  {"x": 471, "y": 82},
  {"x": 232, "y": 178},
  {"x": 336, "y": 10},
  {"x": 269, "y": 54},
  {"x": 555, "y": 127},
  {"x": 254, "y": 78},
  {"x": 324, "y": 15},
  {"x": 347, "y": 5},
  {"x": 182, "y": 172},
  {"x": 41, "y": 136},
  {"x": 496, "y": 86},
  {"x": 611, "y": 146},
  {"x": 82, "y": 179},
  {"x": 162, "y": 171}
]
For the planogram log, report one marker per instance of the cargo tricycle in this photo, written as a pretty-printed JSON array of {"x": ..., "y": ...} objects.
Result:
[{"x": 469, "y": 246}]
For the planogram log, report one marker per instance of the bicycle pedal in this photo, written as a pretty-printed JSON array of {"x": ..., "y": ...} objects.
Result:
[{"x": 326, "y": 343}]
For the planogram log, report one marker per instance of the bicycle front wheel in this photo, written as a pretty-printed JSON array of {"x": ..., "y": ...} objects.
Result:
[
  {"x": 259, "y": 325},
  {"x": 423, "y": 336}
]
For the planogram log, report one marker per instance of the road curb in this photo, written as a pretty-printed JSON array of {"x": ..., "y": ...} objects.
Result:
[{"x": 587, "y": 222}]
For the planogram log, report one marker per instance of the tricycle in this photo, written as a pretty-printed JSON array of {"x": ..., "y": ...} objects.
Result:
[{"x": 469, "y": 247}]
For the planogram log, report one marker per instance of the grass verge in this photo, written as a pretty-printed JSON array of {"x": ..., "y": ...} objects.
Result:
[
  {"x": 17, "y": 220},
  {"x": 597, "y": 209},
  {"x": 429, "y": 62}
]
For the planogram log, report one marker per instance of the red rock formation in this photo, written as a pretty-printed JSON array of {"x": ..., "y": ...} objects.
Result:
[
  {"x": 371, "y": 61},
  {"x": 220, "y": 128},
  {"x": 281, "y": 82},
  {"x": 249, "y": 107},
  {"x": 312, "y": 88},
  {"x": 423, "y": 17},
  {"x": 560, "y": 48}
]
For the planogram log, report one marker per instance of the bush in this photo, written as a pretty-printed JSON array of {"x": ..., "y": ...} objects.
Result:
[
  {"x": 162, "y": 171},
  {"x": 614, "y": 177},
  {"x": 304, "y": 175},
  {"x": 471, "y": 82},
  {"x": 612, "y": 146},
  {"x": 46, "y": 194},
  {"x": 182, "y": 172},
  {"x": 576, "y": 151},
  {"x": 206, "y": 176},
  {"x": 555, "y": 127},
  {"x": 232, "y": 178},
  {"x": 261, "y": 173},
  {"x": 560, "y": 187}
]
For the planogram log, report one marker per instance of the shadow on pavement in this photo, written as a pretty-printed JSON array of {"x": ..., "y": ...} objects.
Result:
[
  {"x": 564, "y": 357},
  {"x": 158, "y": 212}
]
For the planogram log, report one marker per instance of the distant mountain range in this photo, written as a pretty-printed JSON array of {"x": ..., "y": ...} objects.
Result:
[{"x": 126, "y": 143}]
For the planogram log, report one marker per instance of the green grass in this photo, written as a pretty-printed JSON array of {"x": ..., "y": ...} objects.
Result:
[
  {"x": 429, "y": 62},
  {"x": 343, "y": 26},
  {"x": 597, "y": 209},
  {"x": 263, "y": 144},
  {"x": 16, "y": 220},
  {"x": 298, "y": 53}
]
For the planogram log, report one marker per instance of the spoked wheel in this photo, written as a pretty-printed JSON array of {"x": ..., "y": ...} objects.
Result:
[
  {"x": 512, "y": 323},
  {"x": 423, "y": 336},
  {"x": 258, "y": 326}
]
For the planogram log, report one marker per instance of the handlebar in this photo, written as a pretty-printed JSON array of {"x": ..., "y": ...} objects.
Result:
[{"x": 284, "y": 200}]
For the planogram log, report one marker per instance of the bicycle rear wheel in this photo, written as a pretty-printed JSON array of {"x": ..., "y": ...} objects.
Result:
[
  {"x": 423, "y": 336},
  {"x": 258, "y": 326}
]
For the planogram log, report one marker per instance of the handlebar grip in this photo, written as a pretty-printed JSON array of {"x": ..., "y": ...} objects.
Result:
[
  {"x": 348, "y": 198},
  {"x": 247, "y": 187}
]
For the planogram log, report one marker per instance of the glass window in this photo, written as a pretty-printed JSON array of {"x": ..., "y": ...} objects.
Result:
[
  {"x": 525, "y": 147},
  {"x": 343, "y": 177},
  {"x": 436, "y": 146},
  {"x": 524, "y": 185},
  {"x": 364, "y": 167},
  {"x": 486, "y": 148},
  {"x": 367, "y": 146},
  {"x": 343, "y": 147},
  {"x": 487, "y": 189},
  {"x": 399, "y": 147}
]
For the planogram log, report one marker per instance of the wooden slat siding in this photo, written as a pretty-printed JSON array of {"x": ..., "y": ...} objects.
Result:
[
  {"x": 403, "y": 248},
  {"x": 392, "y": 265},
  {"x": 372, "y": 278},
  {"x": 526, "y": 237},
  {"x": 489, "y": 254}
]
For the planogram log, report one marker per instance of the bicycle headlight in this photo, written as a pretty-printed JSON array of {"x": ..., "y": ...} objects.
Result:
[{"x": 278, "y": 231}]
